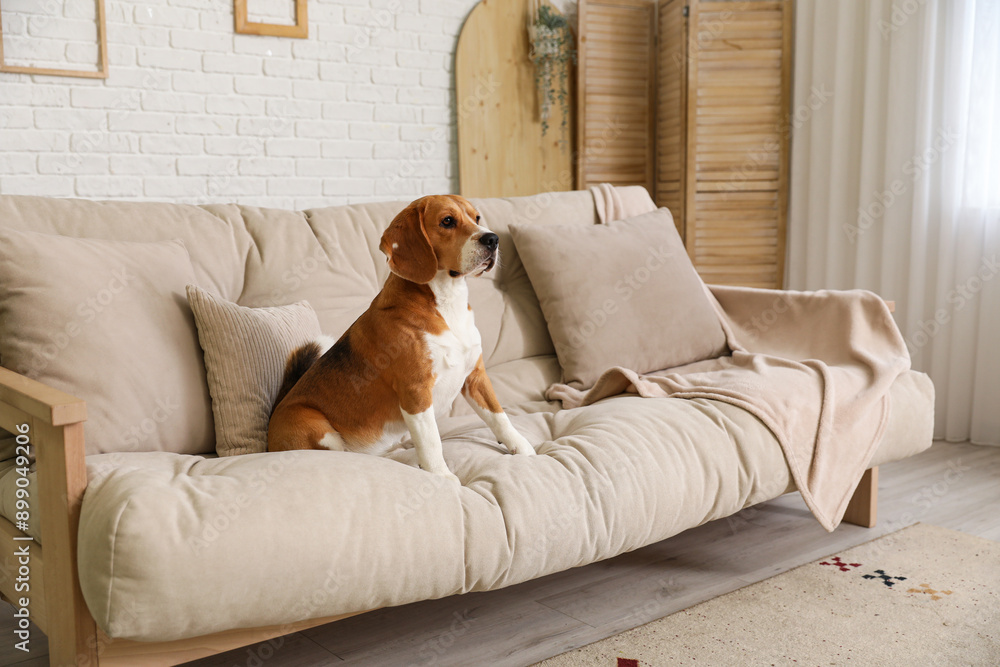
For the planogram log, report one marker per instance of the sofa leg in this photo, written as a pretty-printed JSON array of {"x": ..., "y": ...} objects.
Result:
[{"x": 863, "y": 508}]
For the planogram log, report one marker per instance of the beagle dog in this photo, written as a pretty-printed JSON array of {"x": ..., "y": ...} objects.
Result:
[{"x": 405, "y": 360}]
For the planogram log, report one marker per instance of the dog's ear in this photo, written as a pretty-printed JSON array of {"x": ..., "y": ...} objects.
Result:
[{"x": 407, "y": 248}]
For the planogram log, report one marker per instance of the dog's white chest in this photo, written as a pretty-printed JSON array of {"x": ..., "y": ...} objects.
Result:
[{"x": 455, "y": 351}]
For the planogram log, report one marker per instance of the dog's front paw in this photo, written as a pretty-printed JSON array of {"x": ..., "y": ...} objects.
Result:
[{"x": 518, "y": 444}]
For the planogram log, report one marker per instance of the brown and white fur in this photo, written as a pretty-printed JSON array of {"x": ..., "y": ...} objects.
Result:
[{"x": 405, "y": 360}]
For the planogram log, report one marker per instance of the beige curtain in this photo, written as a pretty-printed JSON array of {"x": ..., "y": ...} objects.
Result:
[{"x": 895, "y": 182}]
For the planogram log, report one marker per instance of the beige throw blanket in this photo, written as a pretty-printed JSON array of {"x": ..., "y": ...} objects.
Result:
[
  {"x": 815, "y": 367},
  {"x": 619, "y": 203}
]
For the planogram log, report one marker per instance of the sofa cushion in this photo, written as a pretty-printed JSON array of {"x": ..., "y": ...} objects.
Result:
[
  {"x": 108, "y": 322},
  {"x": 245, "y": 353},
  {"x": 330, "y": 258},
  {"x": 347, "y": 532},
  {"x": 327, "y": 256},
  {"x": 214, "y": 234},
  {"x": 323, "y": 533},
  {"x": 621, "y": 294}
]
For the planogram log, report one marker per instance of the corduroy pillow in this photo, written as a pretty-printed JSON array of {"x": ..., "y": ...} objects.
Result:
[
  {"x": 107, "y": 321},
  {"x": 620, "y": 294},
  {"x": 245, "y": 353}
]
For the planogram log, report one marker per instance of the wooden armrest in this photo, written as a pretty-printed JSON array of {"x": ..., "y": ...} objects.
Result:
[
  {"x": 54, "y": 407},
  {"x": 51, "y": 421}
]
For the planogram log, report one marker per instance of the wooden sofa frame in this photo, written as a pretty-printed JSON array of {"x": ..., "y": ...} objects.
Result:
[{"x": 55, "y": 426}]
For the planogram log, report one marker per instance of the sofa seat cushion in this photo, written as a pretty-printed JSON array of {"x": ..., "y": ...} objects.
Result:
[{"x": 175, "y": 546}]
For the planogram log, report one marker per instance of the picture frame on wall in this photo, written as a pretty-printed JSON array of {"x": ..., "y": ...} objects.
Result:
[
  {"x": 245, "y": 26},
  {"x": 102, "y": 53}
]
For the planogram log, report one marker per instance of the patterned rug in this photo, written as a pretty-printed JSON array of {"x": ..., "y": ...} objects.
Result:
[{"x": 922, "y": 596}]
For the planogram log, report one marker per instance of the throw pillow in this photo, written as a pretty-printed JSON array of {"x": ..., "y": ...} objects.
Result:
[
  {"x": 245, "y": 352},
  {"x": 620, "y": 294},
  {"x": 107, "y": 321}
]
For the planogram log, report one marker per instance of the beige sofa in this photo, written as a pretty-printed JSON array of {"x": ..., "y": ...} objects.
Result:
[{"x": 178, "y": 555}]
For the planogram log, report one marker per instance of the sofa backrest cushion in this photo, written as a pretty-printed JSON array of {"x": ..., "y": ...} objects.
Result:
[
  {"x": 214, "y": 235},
  {"x": 108, "y": 321},
  {"x": 330, "y": 258}
]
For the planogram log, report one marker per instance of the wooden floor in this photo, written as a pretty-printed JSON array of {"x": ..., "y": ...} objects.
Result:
[{"x": 951, "y": 485}]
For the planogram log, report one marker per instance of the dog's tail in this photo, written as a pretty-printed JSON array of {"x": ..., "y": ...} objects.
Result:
[{"x": 299, "y": 361}]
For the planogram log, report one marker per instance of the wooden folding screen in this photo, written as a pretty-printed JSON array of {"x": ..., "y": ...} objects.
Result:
[
  {"x": 717, "y": 152},
  {"x": 671, "y": 109},
  {"x": 615, "y": 92}
]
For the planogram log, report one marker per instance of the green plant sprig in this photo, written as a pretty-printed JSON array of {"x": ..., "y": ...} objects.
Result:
[{"x": 553, "y": 48}]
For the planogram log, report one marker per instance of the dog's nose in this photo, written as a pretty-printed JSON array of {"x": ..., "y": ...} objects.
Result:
[{"x": 490, "y": 240}]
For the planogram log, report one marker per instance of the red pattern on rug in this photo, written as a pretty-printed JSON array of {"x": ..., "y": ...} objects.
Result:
[{"x": 840, "y": 564}]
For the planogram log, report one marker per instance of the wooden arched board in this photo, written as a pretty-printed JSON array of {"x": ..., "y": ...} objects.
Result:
[{"x": 501, "y": 149}]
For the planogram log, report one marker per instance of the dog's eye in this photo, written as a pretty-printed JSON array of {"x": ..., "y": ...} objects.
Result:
[
  {"x": 448, "y": 222},
  {"x": 478, "y": 217}
]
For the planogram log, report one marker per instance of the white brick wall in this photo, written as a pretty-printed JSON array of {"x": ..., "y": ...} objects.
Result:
[{"x": 192, "y": 112}]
